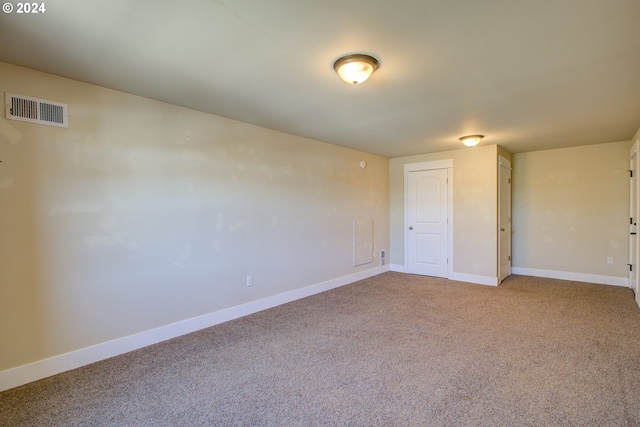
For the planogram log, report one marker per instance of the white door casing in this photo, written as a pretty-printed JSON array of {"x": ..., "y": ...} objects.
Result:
[
  {"x": 504, "y": 219},
  {"x": 634, "y": 210},
  {"x": 428, "y": 207}
]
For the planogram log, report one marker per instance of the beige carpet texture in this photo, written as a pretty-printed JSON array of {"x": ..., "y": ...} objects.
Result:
[{"x": 392, "y": 350}]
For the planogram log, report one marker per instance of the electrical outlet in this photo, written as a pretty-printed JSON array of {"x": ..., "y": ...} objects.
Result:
[
  {"x": 249, "y": 280},
  {"x": 610, "y": 260}
]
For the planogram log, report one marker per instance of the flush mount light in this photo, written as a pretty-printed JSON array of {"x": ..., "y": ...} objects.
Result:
[
  {"x": 356, "y": 68},
  {"x": 471, "y": 140}
]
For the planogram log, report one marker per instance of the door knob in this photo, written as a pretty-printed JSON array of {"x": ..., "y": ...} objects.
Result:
[
  {"x": 411, "y": 227},
  {"x": 502, "y": 229}
]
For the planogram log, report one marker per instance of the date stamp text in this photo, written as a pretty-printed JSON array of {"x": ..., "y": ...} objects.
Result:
[{"x": 24, "y": 8}]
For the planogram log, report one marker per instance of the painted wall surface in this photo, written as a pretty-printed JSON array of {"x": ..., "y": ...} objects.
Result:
[
  {"x": 474, "y": 203},
  {"x": 141, "y": 214},
  {"x": 571, "y": 209}
]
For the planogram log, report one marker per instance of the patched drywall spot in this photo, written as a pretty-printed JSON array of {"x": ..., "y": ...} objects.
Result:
[
  {"x": 238, "y": 225},
  {"x": 109, "y": 224},
  {"x": 12, "y": 135},
  {"x": 184, "y": 254},
  {"x": 105, "y": 240},
  {"x": 76, "y": 208},
  {"x": 112, "y": 233},
  {"x": 219, "y": 222},
  {"x": 186, "y": 251},
  {"x": 6, "y": 183}
]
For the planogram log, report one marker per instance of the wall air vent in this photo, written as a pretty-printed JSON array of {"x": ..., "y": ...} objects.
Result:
[{"x": 34, "y": 110}]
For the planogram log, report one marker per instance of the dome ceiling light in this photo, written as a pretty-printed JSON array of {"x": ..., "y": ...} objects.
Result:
[
  {"x": 471, "y": 140},
  {"x": 355, "y": 69}
]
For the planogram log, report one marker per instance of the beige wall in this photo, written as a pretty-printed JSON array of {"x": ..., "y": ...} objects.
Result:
[
  {"x": 571, "y": 209},
  {"x": 141, "y": 214},
  {"x": 474, "y": 203}
]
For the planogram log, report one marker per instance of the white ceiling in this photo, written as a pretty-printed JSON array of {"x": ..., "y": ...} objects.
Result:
[{"x": 528, "y": 74}]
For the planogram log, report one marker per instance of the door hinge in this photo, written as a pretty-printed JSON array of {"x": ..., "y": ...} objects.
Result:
[
  {"x": 630, "y": 173},
  {"x": 630, "y": 221},
  {"x": 509, "y": 181},
  {"x": 630, "y": 267},
  {"x": 509, "y": 257}
]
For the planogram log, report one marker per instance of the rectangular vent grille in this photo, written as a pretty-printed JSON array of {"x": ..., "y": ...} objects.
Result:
[{"x": 34, "y": 110}]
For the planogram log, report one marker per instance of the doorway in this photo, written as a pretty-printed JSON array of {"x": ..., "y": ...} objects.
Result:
[{"x": 504, "y": 219}]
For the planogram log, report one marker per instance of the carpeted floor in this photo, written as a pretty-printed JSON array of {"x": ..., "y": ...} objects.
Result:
[{"x": 392, "y": 350}]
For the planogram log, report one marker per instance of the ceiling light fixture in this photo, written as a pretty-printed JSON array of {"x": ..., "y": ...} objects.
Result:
[
  {"x": 471, "y": 140},
  {"x": 356, "y": 68}
]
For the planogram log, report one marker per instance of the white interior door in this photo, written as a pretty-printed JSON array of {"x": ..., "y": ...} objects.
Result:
[
  {"x": 504, "y": 220},
  {"x": 427, "y": 223}
]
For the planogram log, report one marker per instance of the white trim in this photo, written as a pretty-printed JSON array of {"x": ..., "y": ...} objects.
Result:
[
  {"x": 450, "y": 221},
  {"x": 505, "y": 163},
  {"x": 24, "y": 374},
  {"x": 460, "y": 277},
  {"x": 437, "y": 164},
  {"x": 577, "y": 277},
  {"x": 472, "y": 278},
  {"x": 425, "y": 166},
  {"x": 397, "y": 268}
]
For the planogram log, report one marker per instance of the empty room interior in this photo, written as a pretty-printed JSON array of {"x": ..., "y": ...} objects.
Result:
[{"x": 169, "y": 169}]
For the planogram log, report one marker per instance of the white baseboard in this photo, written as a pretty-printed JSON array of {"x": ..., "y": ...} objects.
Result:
[
  {"x": 472, "y": 278},
  {"x": 577, "y": 277},
  {"x": 460, "y": 277},
  {"x": 397, "y": 268},
  {"x": 24, "y": 374}
]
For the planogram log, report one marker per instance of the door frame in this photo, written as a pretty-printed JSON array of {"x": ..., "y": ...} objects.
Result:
[
  {"x": 425, "y": 166},
  {"x": 634, "y": 208},
  {"x": 505, "y": 163}
]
